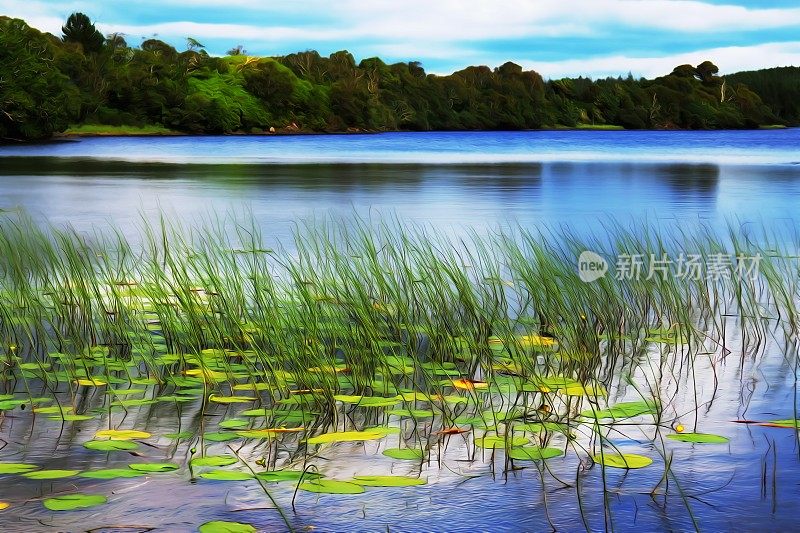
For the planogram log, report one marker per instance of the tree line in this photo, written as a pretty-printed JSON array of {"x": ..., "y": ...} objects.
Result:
[{"x": 83, "y": 77}]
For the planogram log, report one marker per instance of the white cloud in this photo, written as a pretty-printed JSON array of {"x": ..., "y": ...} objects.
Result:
[{"x": 728, "y": 59}]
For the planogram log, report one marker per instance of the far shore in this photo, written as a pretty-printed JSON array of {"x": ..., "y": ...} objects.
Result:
[{"x": 96, "y": 130}]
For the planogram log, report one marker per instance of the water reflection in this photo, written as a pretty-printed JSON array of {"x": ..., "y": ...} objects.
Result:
[{"x": 87, "y": 192}]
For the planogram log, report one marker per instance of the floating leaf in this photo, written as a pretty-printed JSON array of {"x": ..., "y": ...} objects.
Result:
[
  {"x": 4, "y": 505},
  {"x": 389, "y": 481},
  {"x": 626, "y": 460},
  {"x": 50, "y": 474},
  {"x": 233, "y": 423},
  {"x": 623, "y": 410},
  {"x": 153, "y": 467},
  {"x": 214, "y": 460},
  {"x": 346, "y": 436},
  {"x": 586, "y": 390},
  {"x": 286, "y": 475},
  {"x": 231, "y": 399},
  {"x": 71, "y": 418},
  {"x": 405, "y": 454},
  {"x": 702, "y": 438},
  {"x": 68, "y": 502},
  {"x": 368, "y": 401},
  {"x": 110, "y": 445},
  {"x": 223, "y": 436},
  {"x": 223, "y": 526},
  {"x": 331, "y": 486},
  {"x": 412, "y": 413},
  {"x": 533, "y": 453},
  {"x": 16, "y": 468},
  {"x": 495, "y": 441},
  {"x": 226, "y": 475},
  {"x": 468, "y": 384},
  {"x": 111, "y": 473},
  {"x": 787, "y": 423},
  {"x": 122, "y": 434}
]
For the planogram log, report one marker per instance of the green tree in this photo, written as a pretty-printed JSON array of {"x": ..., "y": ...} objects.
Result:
[{"x": 79, "y": 29}]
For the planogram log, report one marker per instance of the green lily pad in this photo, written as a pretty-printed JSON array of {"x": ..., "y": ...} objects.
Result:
[
  {"x": 214, "y": 460},
  {"x": 346, "y": 436},
  {"x": 626, "y": 460},
  {"x": 787, "y": 423},
  {"x": 153, "y": 467},
  {"x": 368, "y": 401},
  {"x": 389, "y": 481},
  {"x": 411, "y": 413},
  {"x": 50, "y": 474},
  {"x": 223, "y": 526},
  {"x": 16, "y": 468},
  {"x": 180, "y": 435},
  {"x": 405, "y": 454},
  {"x": 533, "y": 453},
  {"x": 110, "y": 445},
  {"x": 67, "y": 417},
  {"x": 277, "y": 476},
  {"x": 111, "y": 473},
  {"x": 233, "y": 423},
  {"x": 122, "y": 434},
  {"x": 331, "y": 486},
  {"x": 496, "y": 441},
  {"x": 68, "y": 502},
  {"x": 226, "y": 475},
  {"x": 221, "y": 436},
  {"x": 701, "y": 438},
  {"x": 623, "y": 410}
]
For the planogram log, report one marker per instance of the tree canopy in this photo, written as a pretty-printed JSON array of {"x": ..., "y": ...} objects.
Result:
[{"x": 47, "y": 83}]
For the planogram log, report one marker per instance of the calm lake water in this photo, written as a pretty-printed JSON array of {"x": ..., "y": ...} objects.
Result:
[{"x": 452, "y": 182}]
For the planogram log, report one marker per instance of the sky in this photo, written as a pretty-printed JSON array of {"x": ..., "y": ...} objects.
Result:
[{"x": 556, "y": 38}]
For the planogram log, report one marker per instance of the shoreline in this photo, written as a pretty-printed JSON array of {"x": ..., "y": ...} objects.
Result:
[{"x": 294, "y": 133}]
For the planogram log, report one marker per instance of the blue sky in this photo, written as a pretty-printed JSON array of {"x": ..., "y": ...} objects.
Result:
[{"x": 553, "y": 37}]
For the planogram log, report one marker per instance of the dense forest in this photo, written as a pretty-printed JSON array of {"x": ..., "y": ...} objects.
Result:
[{"x": 48, "y": 83}]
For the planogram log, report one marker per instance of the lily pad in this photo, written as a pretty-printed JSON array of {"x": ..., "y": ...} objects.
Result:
[
  {"x": 111, "y": 473},
  {"x": 331, "y": 486},
  {"x": 231, "y": 399},
  {"x": 701, "y": 438},
  {"x": 405, "y": 454},
  {"x": 496, "y": 441},
  {"x": 214, "y": 460},
  {"x": 16, "y": 468},
  {"x": 623, "y": 410},
  {"x": 110, "y": 445},
  {"x": 223, "y": 526},
  {"x": 368, "y": 401},
  {"x": 277, "y": 476},
  {"x": 226, "y": 475},
  {"x": 233, "y": 423},
  {"x": 533, "y": 453},
  {"x": 389, "y": 481},
  {"x": 122, "y": 434},
  {"x": 50, "y": 474},
  {"x": 221, "y": 436},
  {"x": 787, "y": 423},
  {"x": 626, "y": 460},
  {"x": 153, "y": 467},
  {"x": 346, "y": 436},
  {"x": 68, "y": 502}
]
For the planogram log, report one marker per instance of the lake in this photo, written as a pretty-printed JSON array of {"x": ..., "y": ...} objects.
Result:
[{"x": 452, "y": 184}]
